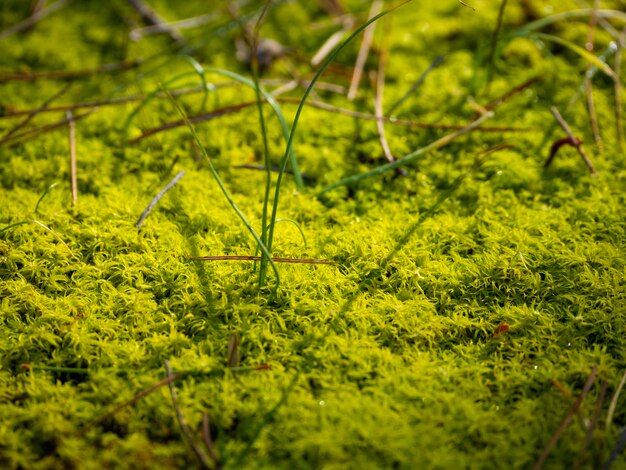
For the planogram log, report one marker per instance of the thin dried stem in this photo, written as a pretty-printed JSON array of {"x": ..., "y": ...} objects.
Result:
[
  {"x": 576, "y": 142},
  {"x": 492, "y": 105},
  {"x": 181, "y": 421},
  {"x": 208, "y": 441},
  {"x": 258, "y": 258},
  {"x": 621, "y": 43},
  {"x": 38, "y": 15},
  {"x": 594, "y": 421},
  {"x": 378, "y": 99},
  {"x": 153, "y": 18},
  {"x": 494, "y": 41},
  {"x": 366, "y": 44},
  {"x": 72, "y": 143},
  {"x": 32, "y": 114},
  {"x": 333, "y": 41},
  {"x": 566, "y": 421},
  {"x": 613, "y": 405},
  {"x": 69, "y": 74},
  {"x": 417, "y": 84}
]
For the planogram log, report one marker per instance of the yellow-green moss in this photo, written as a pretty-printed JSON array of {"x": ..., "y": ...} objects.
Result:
[{"x": 394, "y": 357}]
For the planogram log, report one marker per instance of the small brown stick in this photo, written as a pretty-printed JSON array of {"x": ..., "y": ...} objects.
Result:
[
  {"x": 233, "y": 356},
  {"x": 70, "y": 74},
  {"x": 594, "y": 421},
  {"x": 378, "y": 99},
  {"x": 32, "y": 114},
  {"x": 332, "y": 42},
  {"x": 613, "y": 405},
  {"x": 152, "y": 17},
  {"x": 591, "y": 107},
  {"x": 32, "y": 133},
  {"x": 326, "y": 107},
  {"x": 137, "y": 33},
  {"x": 574, "y": 141},
  {"x": 366, "y": 44},
  {"x": 208, "y": 441},
  {"x": 417, "y": 84},
  {"x": 258, "y": 258},
  {"x": 72, "y": 142},
  {"x": 33, "y": 19},
  {"x": 566, "y": 421},
  {"x": 512, "y": 92},
  {"x": 181, "y": 421}
]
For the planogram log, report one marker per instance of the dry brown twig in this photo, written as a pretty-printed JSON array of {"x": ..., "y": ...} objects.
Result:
[
  {"x": 573, "y": 140},
  {"x": 32, "y": 114},
  {"x": 366, "y": 44},
  {"x": 204, "y": 462},
  {"x": 72, "y": 145}
]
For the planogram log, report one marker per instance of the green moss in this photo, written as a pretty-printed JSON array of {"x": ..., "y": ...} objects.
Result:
[{"x": 392, "y": 347}]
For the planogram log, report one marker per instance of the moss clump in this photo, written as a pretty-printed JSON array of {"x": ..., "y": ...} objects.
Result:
[{"x": 391, "y": 356}]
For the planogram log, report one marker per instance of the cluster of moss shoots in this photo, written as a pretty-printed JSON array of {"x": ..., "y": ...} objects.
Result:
[{"x": 388, "y": 236}]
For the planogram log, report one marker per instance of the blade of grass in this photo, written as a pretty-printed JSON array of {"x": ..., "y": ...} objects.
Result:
[
  {"x": 613, "y": 405},
  {"x": 39, "y": 224},
  {"x": 417, "y": 84},
  {"x": 570, "y": 15},
  {"x": 583, "y": 53},
  {"x": 306, "y": 94},
  {"x": 198, "y": 70},
  {"x": 33, "y": 19},
  {"x": 72, "y": 144},
  {"x": 258, "y": 258},
  {"x": 407, "y": 158},
  {"x": 222, "y": 187},
  {"x": 44, "y": 195}
]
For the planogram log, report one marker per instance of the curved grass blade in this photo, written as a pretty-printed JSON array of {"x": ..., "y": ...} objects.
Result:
[
  {"x": 407, "y": 158},
  {"x": 585, "y": 54},
  {"x": 219, "y": 182},
  {"x": 198, "y": 70},
  {"x": 570, "y": 15},
  {"x": 43, "y": 226},
  {"x": 277, "y": 111},
  {"x": 48, "y": 189},
  {"x": 307, "y": 92}
]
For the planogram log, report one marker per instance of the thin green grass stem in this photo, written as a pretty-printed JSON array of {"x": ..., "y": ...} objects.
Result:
[
  {"x": 222, "y": 187},
  {"x": 407, "y": 159},
  {"x": 307, "y": 92}
]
